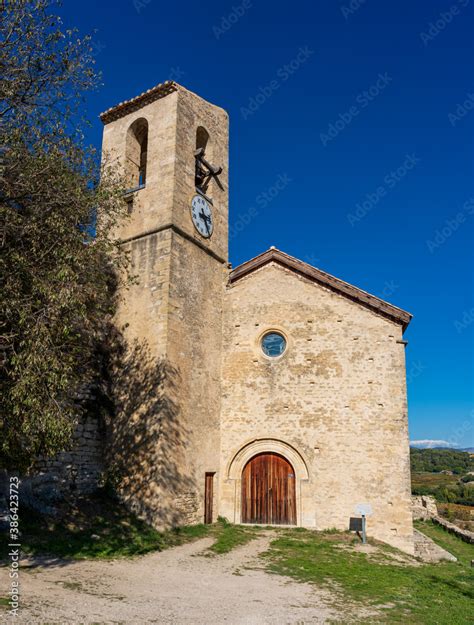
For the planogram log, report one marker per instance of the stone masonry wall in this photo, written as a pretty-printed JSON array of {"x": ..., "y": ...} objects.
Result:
[
  {"x": 198, "y": 273},
  {"x": 463, "y": 534},
  {"x": 423, "y": 507},
  {"x": 166, "y": 435},
  {"x": 78, "y": 470},
  {"x": 337, "y": 396}
]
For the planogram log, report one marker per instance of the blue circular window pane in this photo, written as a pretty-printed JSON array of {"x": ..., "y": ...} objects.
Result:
[{"x": 273, "y": 344}]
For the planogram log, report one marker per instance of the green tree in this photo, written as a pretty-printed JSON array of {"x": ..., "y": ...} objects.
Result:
[
  {"x": 436, "y": 460},
  {"x": 60, "y": 268}
]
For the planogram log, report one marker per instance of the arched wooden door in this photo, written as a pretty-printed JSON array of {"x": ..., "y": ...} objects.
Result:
[{"x": 268, "y": 491}]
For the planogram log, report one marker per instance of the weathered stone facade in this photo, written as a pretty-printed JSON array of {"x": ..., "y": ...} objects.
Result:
[
  {"x": 198, "y": 394},
  {"x": 174, "y": 313},
  {"x": 337, "y": 396}
]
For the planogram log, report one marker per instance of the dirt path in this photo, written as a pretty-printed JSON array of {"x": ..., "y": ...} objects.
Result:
[{"x": 179, "y": 586}]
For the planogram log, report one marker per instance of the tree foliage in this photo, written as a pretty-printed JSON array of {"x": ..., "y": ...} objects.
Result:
[
  {"x": 459, "y": 493},
  {"x": 60, "y": 268},
  {"x": 426, "y": 463},
  {"x": 436, "y": 460}
]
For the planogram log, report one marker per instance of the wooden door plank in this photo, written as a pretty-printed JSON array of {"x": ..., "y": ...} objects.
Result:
[{"x": 268, "y": 491}]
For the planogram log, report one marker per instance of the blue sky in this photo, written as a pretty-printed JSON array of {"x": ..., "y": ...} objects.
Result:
[{"x": 352, "y": 141}]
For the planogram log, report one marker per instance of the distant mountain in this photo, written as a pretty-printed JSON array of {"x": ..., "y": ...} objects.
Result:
[
  {"x": 441, "y": 447},
  {"x": 465, "y": 449},
  {"x": 431, "y": 445}
]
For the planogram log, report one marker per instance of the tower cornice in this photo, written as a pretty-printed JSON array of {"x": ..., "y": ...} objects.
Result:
[{"x": 128, "y": 106}]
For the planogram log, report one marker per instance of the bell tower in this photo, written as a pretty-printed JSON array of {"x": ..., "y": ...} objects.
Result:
[{"x": 172, "y": 147}]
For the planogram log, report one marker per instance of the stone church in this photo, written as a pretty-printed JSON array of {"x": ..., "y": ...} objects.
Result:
[{"x": 271, "y": 392}]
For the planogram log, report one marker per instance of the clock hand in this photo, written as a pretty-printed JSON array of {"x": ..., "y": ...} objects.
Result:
[{"x": 205, "y": 218}]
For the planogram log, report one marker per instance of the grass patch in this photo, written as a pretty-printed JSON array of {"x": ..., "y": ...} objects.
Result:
[
  {"x": 96, "y": 527},
  {"x": 99, "y": 527},
  {"x": 463, "y": 551},
  {"x": 229, "y": 536},
  {"x": 434, "y": 594},
  {"x": 5, "y": 601}
]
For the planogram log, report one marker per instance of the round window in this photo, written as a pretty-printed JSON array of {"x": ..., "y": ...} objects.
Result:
[{"x": 273, "y": 344}]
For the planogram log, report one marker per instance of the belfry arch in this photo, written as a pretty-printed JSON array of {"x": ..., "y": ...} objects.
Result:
[{"x": 136, "y": 153}]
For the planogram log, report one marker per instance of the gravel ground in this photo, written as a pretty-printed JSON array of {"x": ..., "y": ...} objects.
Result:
[{"x": 183, "y": 585}]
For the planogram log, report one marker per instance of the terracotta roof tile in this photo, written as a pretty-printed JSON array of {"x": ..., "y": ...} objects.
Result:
[{"x": 159, "y": 91}]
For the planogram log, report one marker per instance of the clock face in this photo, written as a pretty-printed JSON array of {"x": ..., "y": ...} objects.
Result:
[{"x": 202, "y": 216}]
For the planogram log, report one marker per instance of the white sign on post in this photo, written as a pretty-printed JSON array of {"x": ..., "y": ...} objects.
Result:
[{"x": 364, "y": 509}]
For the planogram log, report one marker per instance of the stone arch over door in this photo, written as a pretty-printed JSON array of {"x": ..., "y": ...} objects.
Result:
[{"x": 250, "y": 450}]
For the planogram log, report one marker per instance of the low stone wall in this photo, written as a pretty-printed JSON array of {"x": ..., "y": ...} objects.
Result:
[
  {"x": 464, "y": 535},
  {"x": 80, "y": 468},
  {"x": 428, "y": 551},
  {"x": 423, "y": 507},
  {"x": 78, "y": 471}
]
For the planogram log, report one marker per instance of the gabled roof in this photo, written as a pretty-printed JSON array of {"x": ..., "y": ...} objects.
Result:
[
  {"x": 321, "y": 277},
  {"x": 159, "y": 91}
]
